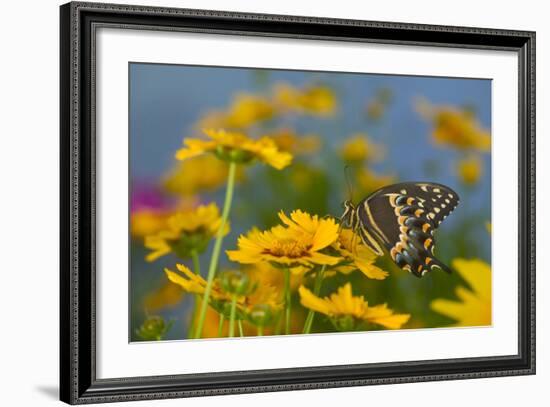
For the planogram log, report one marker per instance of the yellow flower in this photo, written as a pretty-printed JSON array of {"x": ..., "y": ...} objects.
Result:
[
  {"x": 359, "y": 148},
  {"x": 185, "y": 232},
  {"x": 298, "y": 244},
  {"x": 357, "y": 256},
  {"x": 146, "y": 222},
  {"x": 454, "y": 127},
  {"x": 202, "y": 173},
  {"x": 235, "y": 147},
  {"x": 195, "y": 284},
  {"x": 317, "y": 100},
  {"x": 265, "y": 274},
  {"x": 264, "y": 294},
  {"x": 474, "y": 307},
  {"x": 470, "y": 169},
  {"x": 287, "y": 140},
  {"x": 345, "y": 310},
  {"x": 167, "y": 296},
  {"x": 369, "y": 181},
  {"x": 245, "y": 110}
]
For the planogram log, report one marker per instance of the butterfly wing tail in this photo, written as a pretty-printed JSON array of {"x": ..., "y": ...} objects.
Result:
[{"x": 439, "y": 264}]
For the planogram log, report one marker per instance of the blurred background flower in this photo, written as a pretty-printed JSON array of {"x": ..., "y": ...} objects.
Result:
[
  {"x": 473, "y": 307},
  {"x": 185, "y": 232},
  {"x": 385, "y": 128},
  {"x": 197, "y": 175},
  {"x": 315, "y": 100},
  {"x": 245, "y": 110},
  {"x": 359, "y": 148},
  {"x": 470, "y": 169}
]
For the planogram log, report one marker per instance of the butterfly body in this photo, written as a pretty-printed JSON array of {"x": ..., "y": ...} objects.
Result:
[{"x": 401, "y": 219}]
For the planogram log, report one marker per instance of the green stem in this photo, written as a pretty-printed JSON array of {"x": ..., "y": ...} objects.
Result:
[
  {"x": 260, "y": 330},
  {"x": 287, "y": 301},
  {"x": 241, "y": 331},
  {"x": 220, "y": 325},
  {"x": 197, "y": 271},
  {"x": 217, "y": 247},
  {"x": 232, "y": 315},
  {"x": 316, "y": 290},
  {"x": 196, "y": 262}
]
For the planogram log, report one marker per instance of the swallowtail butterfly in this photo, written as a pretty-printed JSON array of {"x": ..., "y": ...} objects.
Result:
[{"x": 402, "y": 219}]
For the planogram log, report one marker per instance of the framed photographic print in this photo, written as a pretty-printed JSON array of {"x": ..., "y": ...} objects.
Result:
[{"x": 257, "y": 203}]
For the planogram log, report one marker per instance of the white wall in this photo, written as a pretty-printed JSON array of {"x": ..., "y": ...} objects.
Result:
[{"x": 29, "y": 205}]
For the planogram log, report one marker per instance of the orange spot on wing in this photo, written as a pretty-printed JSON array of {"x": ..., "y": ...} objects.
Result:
[{"x": 427, "y": 243}]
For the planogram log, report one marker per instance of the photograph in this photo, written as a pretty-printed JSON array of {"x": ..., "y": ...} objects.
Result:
[
  {"x": 266, "y": 202},
  {"x": 257, "y": 202}
]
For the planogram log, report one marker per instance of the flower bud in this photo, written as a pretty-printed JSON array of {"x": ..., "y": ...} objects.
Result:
[
  {"x": 153, "y": 328},
  {"x": 260, "y": 315},
  {"x": 235, "y": 282}
]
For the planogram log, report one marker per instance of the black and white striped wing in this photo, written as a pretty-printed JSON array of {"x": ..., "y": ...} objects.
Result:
[{"x": 403, "y": 218}]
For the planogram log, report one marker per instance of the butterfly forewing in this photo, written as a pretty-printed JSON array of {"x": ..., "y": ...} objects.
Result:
[{"x": 403, "y": 217}]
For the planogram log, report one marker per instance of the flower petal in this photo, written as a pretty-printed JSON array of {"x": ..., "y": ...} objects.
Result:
[
  {"x": 311, "y": 301},
  {"x": 370, "y": 270}
]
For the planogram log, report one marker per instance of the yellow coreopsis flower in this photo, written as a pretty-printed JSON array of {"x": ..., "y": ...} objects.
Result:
[
  {"x": 298, "y": 244},
  {"x": 184, "y": 232},
  {"x": 265, "y": 274},
  {"x": 195, "y": 284},
  {"x": 288, "y": 140},
  {"x": 474, "y": 305},
  {"x": 470, "y": 169},
  {"x": 245, "y": 110},
  {"x": 369, "y": 181},
  {"x": 454, "y": 127},
  {"x": 258, "y": 294},
  {"x": 359, "y": 148},
  {"x": 346, "y": 310},
  {"x": 166, "y": 296},
  {"x": 318, "y": 100},
  {"x": 146, "y": 222},
  {"x": 357, "y": 256},
  {"x": 235, "y": 147},
  {"x": 264, "y": 294},
  {"x": 202, "y": 173}
]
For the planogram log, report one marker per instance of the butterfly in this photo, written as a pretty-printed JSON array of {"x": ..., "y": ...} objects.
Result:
[{"x": 402, "y": 219}]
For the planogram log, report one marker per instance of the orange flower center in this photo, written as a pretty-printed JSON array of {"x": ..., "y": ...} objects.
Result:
[{"x": 289, "y": 248}]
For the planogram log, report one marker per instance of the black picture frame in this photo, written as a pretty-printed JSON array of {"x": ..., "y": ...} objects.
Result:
[{"x": 78, "y": 382}]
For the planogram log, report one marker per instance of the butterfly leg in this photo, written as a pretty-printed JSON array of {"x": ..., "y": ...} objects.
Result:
[{"x": 354, "y": 242}]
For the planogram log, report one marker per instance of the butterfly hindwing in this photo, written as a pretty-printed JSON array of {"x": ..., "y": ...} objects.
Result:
[{"x": 403, "y": 218}]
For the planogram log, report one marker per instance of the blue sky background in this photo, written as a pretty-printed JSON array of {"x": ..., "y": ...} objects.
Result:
[{"x": 166, "y": 100}]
